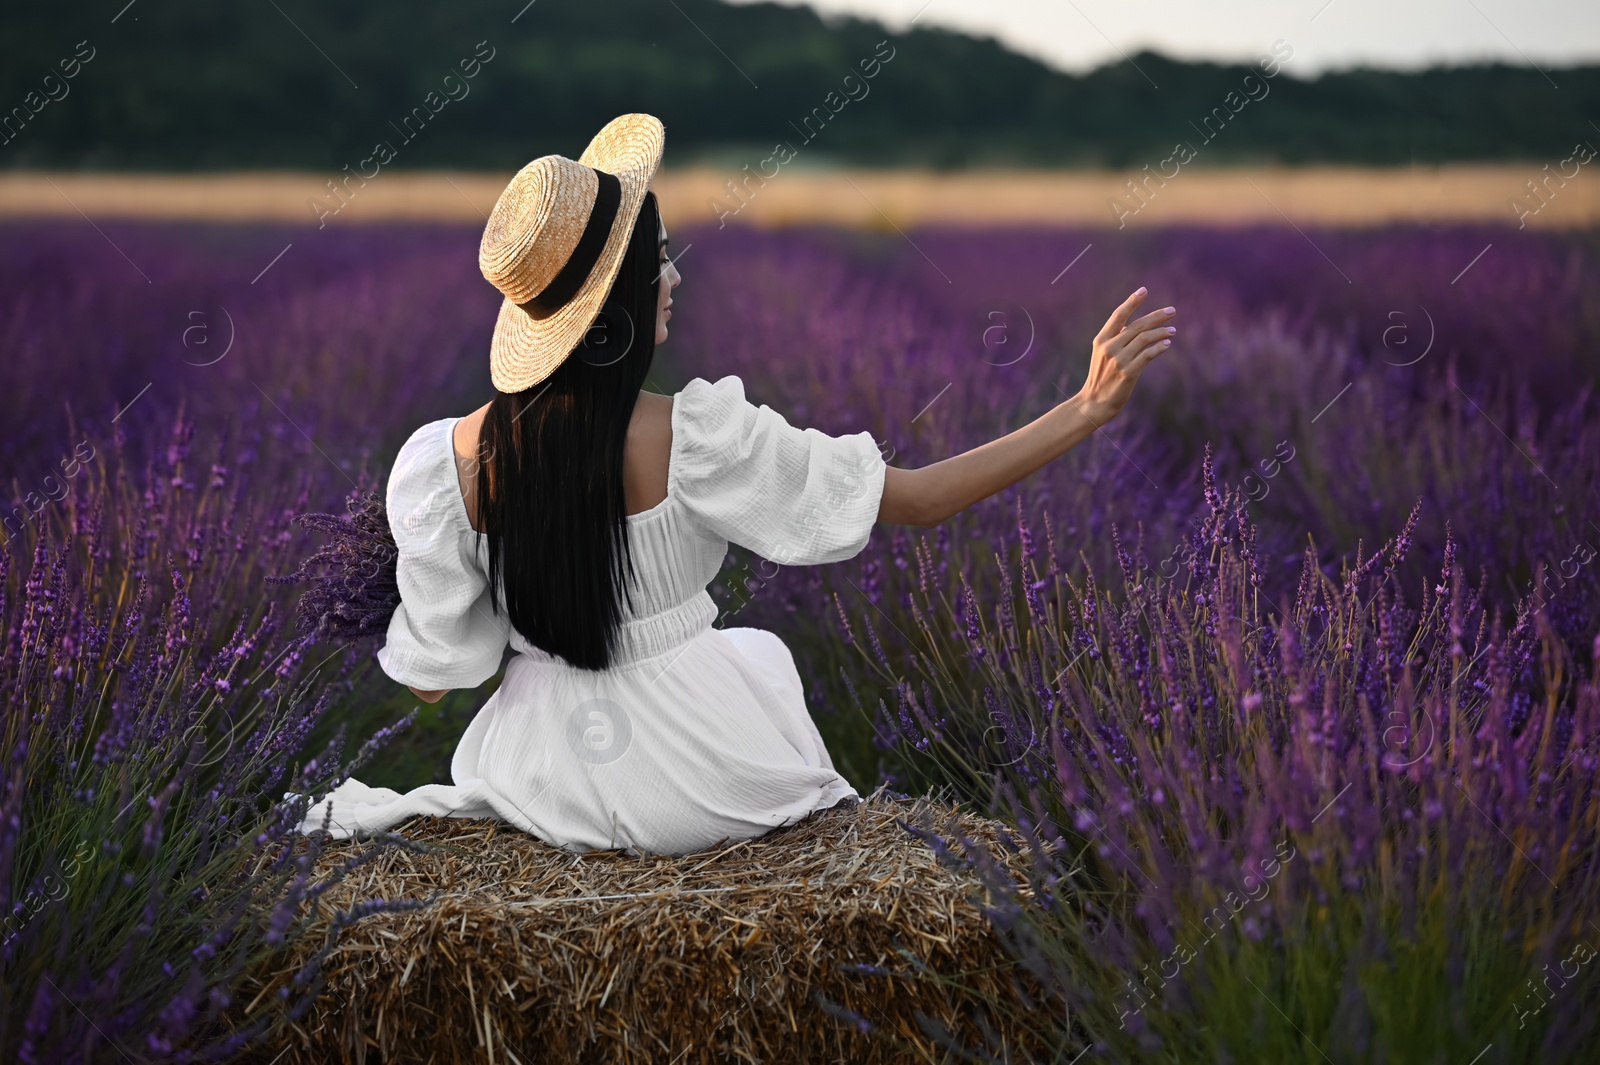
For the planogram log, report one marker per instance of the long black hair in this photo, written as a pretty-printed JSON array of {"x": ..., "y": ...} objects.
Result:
[{"x": 549, "y": 486}]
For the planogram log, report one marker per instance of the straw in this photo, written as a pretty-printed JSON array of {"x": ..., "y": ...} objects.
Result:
[{"x": 530, "y": 953}]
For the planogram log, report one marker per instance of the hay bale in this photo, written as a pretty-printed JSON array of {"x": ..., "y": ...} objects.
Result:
[{"x": 535, "y": 954}]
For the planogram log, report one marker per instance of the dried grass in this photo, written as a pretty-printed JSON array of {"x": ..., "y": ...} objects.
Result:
[
  {"x": 534, "y": 954},
  {"x": 698, "y": 195}
]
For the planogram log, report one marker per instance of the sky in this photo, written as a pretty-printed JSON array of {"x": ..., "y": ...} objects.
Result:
[{"x": 1078, "y": 35}]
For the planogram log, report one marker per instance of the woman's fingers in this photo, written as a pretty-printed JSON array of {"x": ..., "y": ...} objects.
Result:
[
  {"x": 1141, "y": 341},
  {"x": 1143, "y": 358},
  {"x": 1119, "y": 317},
  {"x": 1148, "y": 321}
]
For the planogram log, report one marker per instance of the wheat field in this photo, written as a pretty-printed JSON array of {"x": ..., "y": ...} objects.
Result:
[{"x": 872, "y": 198}]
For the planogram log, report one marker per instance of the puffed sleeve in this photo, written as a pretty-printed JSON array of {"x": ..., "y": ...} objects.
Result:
[
  {"x": 794, "y": 496},
  {"x": 443, "y": 634}
]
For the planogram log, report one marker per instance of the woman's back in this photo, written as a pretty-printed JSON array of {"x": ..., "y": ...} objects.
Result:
[
  {"x": 705, "y": 468},
  {"x": 644, "y": 460}
]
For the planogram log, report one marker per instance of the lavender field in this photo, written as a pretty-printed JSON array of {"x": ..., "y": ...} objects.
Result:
[{"x": 1291, "y": 674}]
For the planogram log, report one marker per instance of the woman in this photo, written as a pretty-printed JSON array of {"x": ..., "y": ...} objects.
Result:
[{"x": 579, "y": 519}]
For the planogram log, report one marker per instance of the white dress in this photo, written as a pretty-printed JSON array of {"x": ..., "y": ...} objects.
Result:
[{"x": 695, "y": 735}]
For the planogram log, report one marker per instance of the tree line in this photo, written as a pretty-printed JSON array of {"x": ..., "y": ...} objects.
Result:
[{"x": 189, "y": 85}]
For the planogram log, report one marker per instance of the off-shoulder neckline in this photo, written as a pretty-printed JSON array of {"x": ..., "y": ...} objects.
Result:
[{"x": 465, "y": 520}]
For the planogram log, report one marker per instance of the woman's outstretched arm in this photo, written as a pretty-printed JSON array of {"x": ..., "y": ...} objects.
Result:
[{"x": 1121, "y": 351}]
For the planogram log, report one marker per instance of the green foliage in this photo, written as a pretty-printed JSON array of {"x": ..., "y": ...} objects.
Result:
[{"x": 186, "y": 85}]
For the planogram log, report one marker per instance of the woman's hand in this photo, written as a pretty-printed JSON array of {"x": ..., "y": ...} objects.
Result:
[{"x": 1122, "y": 349}]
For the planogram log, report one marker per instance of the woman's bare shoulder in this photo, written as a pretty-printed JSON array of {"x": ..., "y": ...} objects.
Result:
[
  {"x": 644, "y": 477},
  {"x": 653, "y": 413},
  {"x": 465, "y": 436}
]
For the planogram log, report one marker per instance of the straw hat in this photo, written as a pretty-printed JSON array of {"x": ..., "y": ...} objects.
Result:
[{"x": 555, "y": 241}]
